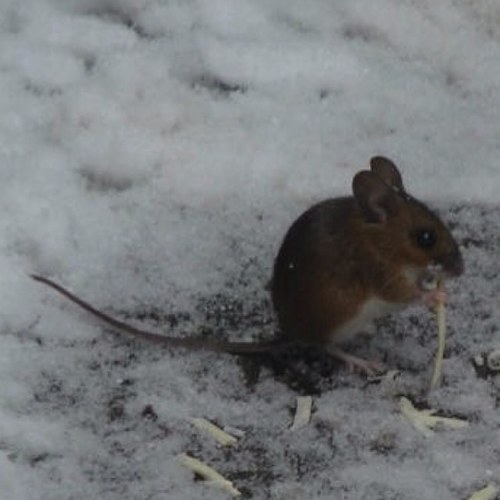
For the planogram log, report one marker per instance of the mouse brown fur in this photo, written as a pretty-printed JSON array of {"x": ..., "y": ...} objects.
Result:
[{"x": 342, "y": 263}]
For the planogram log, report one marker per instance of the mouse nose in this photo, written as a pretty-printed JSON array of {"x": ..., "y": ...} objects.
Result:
[{"x": 453, "y": 263}]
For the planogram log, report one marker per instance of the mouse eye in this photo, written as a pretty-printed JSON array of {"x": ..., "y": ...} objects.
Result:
[{"x": 426, "y": 238}]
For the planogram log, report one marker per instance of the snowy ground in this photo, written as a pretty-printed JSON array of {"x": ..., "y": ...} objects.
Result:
[{"x": 153, "y": 152}]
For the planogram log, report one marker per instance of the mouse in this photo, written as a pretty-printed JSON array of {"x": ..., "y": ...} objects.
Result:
[{"x": 342, "y": 263}]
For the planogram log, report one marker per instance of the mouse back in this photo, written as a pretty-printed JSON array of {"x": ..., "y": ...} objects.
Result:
[{"x": 315, "y": 282}]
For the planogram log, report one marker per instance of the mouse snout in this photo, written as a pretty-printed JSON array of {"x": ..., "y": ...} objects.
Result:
[{"x": 453, "y": 263}]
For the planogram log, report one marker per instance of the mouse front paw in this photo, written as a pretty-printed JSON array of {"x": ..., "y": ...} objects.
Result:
[{"x": 433, "y": 298}]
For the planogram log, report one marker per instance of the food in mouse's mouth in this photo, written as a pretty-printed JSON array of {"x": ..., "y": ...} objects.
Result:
[{"x": 429, "y": 279}]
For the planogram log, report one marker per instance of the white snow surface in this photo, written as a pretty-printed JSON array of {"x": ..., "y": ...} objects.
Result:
[{"x": 152, "y": 155}]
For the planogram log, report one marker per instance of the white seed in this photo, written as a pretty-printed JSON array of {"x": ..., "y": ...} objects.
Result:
[
  {"x": 479, "y": 360},
  {"x": 428, "y": 282},
  {"x": 493, "y": 360}
]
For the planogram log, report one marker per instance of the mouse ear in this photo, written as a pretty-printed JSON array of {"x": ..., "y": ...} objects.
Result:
[
  {"x": 388, "y": 172},
  {"x": 375, "y": 198}
]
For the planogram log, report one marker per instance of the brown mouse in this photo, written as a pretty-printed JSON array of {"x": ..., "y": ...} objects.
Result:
[{"x": 343, "y": 262}]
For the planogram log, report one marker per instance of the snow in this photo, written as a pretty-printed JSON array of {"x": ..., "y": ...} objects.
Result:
[{"x": 153, "y": 154}]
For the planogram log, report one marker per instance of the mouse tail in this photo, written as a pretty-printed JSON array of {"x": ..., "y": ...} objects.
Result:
[{"x": 193, "y": 343}]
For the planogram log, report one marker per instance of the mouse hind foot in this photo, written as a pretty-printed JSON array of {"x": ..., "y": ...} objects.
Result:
[{"x": 355, "y": 364}]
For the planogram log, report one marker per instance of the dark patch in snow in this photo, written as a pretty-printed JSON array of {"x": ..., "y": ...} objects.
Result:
[
  {"x": 103, "y": 181},
  {"x": 113, "y": 14},
  {"x": 217, "y": 85}
]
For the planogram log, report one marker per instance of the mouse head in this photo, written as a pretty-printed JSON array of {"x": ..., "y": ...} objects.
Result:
[{"x": 400, "y": 226}]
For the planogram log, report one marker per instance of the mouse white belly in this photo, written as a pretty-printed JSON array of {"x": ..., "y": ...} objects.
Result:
[{"x": 371, "y": 309}]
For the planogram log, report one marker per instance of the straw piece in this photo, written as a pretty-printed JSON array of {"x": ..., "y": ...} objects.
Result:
[
  {"x": 302, "y": 412},
  {"x": 208, "y": 473},
  {"x": 223, "y": 437},
  {"x": 425, "y": 420}
]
